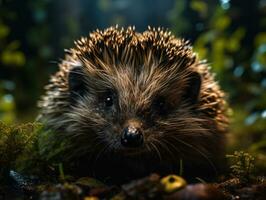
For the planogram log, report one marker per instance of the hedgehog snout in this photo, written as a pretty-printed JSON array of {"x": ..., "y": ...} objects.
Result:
[{"x": 132, "y": 134}]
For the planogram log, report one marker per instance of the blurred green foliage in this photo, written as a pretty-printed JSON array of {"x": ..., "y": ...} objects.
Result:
[{"x": 231, "y": 35}]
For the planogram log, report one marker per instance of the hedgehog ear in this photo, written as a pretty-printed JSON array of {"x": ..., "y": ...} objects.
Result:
[
  {"x": 193, "y": 89},
  {"x": 76, "y": 82}
]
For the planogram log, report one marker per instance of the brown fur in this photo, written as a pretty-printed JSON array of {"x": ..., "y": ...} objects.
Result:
[{"x": 138, "y": 67}]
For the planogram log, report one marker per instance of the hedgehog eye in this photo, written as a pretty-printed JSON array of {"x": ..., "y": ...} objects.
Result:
[
  {"x": 160, "y": 106},
  {"x": 76, "y": 82},
  {"x": 108, "y": 99}
]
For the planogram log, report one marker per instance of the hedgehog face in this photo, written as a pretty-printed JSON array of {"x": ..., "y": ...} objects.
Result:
[
  {"x": 129, "y": 108},
  {"x": 131, "y": 94}
]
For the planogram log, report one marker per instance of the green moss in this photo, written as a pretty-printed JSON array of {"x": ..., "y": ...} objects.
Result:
[
  {"x": 21, "y": 150},
  {"x": 15, "y": 142}
]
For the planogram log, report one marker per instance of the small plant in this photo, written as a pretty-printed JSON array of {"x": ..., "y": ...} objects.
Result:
[{"x": 242, "y": 165}]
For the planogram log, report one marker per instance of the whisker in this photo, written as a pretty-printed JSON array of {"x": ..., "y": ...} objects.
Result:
[
  {"x": 156, "y": 150},
  {"x": 101, "y": 153},
  {"x": 162, "y": 144},
  {"x": 200, "y": 152},
  {"x": 174, "y": 147}
]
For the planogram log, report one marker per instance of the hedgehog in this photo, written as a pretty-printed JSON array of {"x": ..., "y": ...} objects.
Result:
[{"x": 125, "y": 104}]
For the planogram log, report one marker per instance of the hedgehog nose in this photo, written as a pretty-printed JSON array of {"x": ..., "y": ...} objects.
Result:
[{"x": 132, "y": 137}]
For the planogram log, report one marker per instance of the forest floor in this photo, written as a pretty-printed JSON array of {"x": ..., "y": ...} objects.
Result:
[{"x": 153, "y": 187}]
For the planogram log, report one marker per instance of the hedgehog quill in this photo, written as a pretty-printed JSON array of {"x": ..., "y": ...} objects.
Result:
[{"x": 125, "y": 104}]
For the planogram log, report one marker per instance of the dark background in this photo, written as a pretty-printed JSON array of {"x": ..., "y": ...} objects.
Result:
[{"x": 230, "y": 34}]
